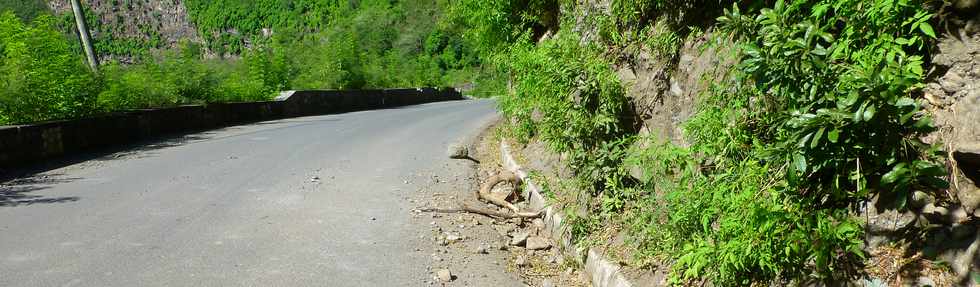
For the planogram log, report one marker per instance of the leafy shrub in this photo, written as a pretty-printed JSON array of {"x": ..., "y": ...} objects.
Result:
[
  {"x": 228, "y": 24},
  {"x": 368, "y": 44},
  {"x": 823, "y": 117},
  {"x": 494, "y": 25},
  {"x": 41, "y": 77},
  {"x": 565, "y": 94},
  {"x": 819, "y": 115}
]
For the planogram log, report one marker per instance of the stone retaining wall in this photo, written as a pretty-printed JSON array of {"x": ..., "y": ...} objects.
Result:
[{"x": 25, "y": 144}]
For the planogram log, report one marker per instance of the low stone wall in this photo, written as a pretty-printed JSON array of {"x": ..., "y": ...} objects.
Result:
[{"x": 25, "y": 144}]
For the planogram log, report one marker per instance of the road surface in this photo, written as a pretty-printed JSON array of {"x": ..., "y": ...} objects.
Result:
[{"x": 314, "y": 201}]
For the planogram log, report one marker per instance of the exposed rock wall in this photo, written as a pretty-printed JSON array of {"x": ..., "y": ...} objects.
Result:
[
  {"x": 664, "y": 90},
  {"x": 954, "y": 96},
  {"x": 138, "y": 19}
]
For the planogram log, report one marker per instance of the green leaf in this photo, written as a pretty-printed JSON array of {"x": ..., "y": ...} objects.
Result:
[
  {"x": 859, "y": 113},
  {"x": 923, "y": 123},
  {"x": 927, "y": 29},
  {"x": 833, "y": 135},
  {"x": 869, "y": 112},
  {"x": 799, "y": 162},
  {"x": 893, "y": 176},
  {"x": 816, "y": 138},
  {"x": 905, "y": 102},
  {"x": 819, "y": 50}
]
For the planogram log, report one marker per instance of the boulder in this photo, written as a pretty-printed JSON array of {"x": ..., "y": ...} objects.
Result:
[
  {"x": 458, "y": 151},
  {"x": 966, "y": 152},
  {"x": 519, "y": 238},
  {"x": 920, "y": 199},
  {"x": 538, "y": 243},
  {"x": 444, "y": 275}
]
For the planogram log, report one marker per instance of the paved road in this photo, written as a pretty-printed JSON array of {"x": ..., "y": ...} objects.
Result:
[{"x": 315, "y": 201}]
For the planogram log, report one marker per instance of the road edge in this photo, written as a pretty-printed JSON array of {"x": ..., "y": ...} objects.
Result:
[{"x": 601, "y": 272}]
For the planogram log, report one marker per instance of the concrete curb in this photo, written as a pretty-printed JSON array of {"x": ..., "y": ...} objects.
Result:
[{"x": 601, "y": 272}]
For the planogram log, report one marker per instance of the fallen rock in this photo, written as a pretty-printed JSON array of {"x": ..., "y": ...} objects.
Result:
[
  {"x": 504, "y": 229},
  {"x": 518, "y": 238},
  {"x": 547, "y": 283},
  {"x": 920, "y": 199},
  {"x": 538, "y": 224},
  {"x": 925, "y": 281},
  {"x": 962, "y": 264},
  {"x": 453, "y": 237},
  {"x": 936, "y": 214},
  {"x": 445, "y": 275},
  {"x": 538, "y": 243},
  {"x": 458, "y": 151},
  {"x": 951, "y": 82},
  {"x": 501, "y": 247}
]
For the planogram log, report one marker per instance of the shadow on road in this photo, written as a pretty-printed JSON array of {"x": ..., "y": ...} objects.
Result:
[
  {"x": 17, "y": 183},
  {"x": 18, "y": 186},
  {"x": 19, "y": 192}
]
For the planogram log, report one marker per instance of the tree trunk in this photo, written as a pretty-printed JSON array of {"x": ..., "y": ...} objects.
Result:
[{"x": 84, "y": 35}]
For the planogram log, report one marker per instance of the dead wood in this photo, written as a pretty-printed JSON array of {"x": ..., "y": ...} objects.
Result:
[
  {"x": 483, "y": 211},
  {"x": 486, "y": 193}
]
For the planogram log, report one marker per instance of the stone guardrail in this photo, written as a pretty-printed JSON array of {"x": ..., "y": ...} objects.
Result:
[{"x": 24, "y": 144}]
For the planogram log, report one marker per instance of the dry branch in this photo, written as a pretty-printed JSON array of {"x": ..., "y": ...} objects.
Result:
[
  {"x": 486, "y": 193},
  {"x": 483, "y": 211}
]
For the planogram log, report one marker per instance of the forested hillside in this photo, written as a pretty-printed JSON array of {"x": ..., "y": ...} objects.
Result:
[
  {"x": 26, "y": 9},
  {"x": 248, "y": 50}
]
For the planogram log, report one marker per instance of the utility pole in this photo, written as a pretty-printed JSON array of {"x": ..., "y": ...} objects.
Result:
[{"x": 84, "y": 36}]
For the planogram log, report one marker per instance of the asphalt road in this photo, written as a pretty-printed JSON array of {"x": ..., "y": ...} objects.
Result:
[{"x": 315, "y": 201}]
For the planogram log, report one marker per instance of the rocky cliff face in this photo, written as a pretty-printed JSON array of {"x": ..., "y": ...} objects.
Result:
[{"x": 954, "y": 96}]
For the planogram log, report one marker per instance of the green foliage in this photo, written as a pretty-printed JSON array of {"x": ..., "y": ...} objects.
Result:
[
  {"x": 630, "y": 20},
  {"x": 493, "y": 25},
  {"x": 41, "y": 77},
  {"x": 823, "y": 117},
  {"x": 373, "y": 44},
  {"x": 566, "y": 94},
  {"x": 842, "y": 79},
  {"x": 637, "y": 13},
  {"x": 380, "y": 44},
  {"x": 27, "y": 10},
  {"x": 663, "y": 40},
  {"x": 818, "y": 116},
  {"x": 578, "y": 97},
  {"x": 228, "y": 24},
  {"x": 182, "y": 78},
  {"x": 108, "y": 39}
]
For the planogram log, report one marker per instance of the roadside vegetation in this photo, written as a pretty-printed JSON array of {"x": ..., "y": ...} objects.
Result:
[
  {"x": 820, "y": 113},
  {"x": 333, "y": 45}
]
